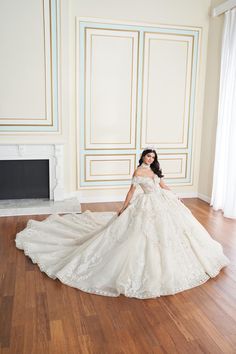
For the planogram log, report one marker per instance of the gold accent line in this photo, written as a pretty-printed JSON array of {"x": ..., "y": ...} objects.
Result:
[
  {"x": 131, "y": 89},
  {"x": 59, "y": 65},
  {"x": 115, "y": 148},
  {"x": 137, "y": 89},
  {"x": 25, "y": 125},
  {"x": 111, "y": 29},
  {"x": 52, "y": 100},
  {"x": 132, "y": 61},
  {"x": 186, "y": 74},
  {"x": 106, "y": 180},
  {"x": 108, "y": 35},
  {"x": 181, "y": 165},
  {"x": 125, "y": 155},
  {"x": 85, "y": 88},
  {"x": 130, "y": 137},
  {"x": 186, "y": 160},
  {"x": 190, "y": 91},
  {"x": 97, "y": 187},
  {"x": 141, "y": 97},
  {"x": 170, "y": 34},
  {"x": 185, "y": 89},
  {"x": 133, "y": 120},
  {"x": 44, "y": 44},
  {"x": 10, "y": 118},
  {"x": 171, "y": 153},
  {"x": 51, "y": 84},
  {"x": 122, "y": 187},
  {"x": 190, "y": 87},
  {"x": 110, "y": 174}
]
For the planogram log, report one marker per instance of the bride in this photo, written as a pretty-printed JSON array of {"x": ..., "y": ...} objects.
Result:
[{"x": 153, "y": 246}]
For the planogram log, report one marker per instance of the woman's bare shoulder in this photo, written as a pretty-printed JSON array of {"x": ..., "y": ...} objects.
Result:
[{"x": 137, "y": 172}]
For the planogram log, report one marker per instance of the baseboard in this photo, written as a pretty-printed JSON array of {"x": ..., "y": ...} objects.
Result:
[
  {"x": 204, "y": 197},
  {"x": 187, "y": 194}
]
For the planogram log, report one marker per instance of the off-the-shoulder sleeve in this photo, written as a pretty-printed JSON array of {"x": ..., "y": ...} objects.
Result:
[{"x": 134, "y": 181}]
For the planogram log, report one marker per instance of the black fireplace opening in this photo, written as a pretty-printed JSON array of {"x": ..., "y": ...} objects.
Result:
[{"x": 24, "y": 179}]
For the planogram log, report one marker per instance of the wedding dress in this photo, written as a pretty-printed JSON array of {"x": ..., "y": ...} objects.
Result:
[{"x": 155, "y": 247}]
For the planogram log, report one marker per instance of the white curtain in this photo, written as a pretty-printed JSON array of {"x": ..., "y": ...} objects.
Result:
[{"x": 224, "y": 180}]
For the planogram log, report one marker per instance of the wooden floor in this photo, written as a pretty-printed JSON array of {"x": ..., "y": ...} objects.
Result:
[{"x": 41, "y": 315}]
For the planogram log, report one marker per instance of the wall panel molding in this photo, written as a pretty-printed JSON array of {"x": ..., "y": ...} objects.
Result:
[
  {"x": 109, "y": 167},
  {"x": 37, "y": 110},
  {"x": 173, "y": 165},
  {"x": 167, "y": 65},
  {"x": 111, "y": 88},
  {"x": 165, "y": 54}
]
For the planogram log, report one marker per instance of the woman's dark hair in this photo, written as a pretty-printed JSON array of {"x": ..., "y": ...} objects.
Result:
[{"x": 155, "y": 166}]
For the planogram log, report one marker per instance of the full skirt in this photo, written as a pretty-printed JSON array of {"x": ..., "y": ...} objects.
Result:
[{"x": 155, "y": 247}]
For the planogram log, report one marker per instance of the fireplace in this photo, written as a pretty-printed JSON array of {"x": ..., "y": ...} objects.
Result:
[
  {"x": 49, "y": 159},
  {"x": 31, "y": 171},
  {"x": 24, "y": 179}
]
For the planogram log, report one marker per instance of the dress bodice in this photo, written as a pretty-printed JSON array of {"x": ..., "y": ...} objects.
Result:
[{"x": 148, "y": 184}]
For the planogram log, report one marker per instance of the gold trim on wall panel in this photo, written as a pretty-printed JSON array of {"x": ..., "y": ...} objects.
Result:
[
  {"x": 51, "y": 70},
  {"x": 183, "y": 157},
  {"x": 109, "y": 174},
  {"x": 131, "y": 144},
  {"x": 116, "y": 157},
  {"x": 48, "y": 106},
  {"x": 131, "y": 111},
  {"x": 188, "y": 85},
  {"x": 178, "y": 164},
  {"x": 183, "y": 120},
  {"x": 190, "y": 88},
  {"x": 175, "y": 172}
]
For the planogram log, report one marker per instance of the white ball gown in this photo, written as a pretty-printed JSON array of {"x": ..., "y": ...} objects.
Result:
[{"x": 155, "y": 247}]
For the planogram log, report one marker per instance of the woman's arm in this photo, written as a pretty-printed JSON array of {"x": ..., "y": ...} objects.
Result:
[
  {"x": 128, "y": 198},
  {"x": 163, "y": 185}
]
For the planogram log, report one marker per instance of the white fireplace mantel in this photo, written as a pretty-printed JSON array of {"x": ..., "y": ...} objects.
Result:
[{"x": 52, "y": 152}]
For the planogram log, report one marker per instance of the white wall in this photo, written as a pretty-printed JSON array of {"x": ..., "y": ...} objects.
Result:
[
  {"x": 210, "y": 104},
  {"x": 182, "y": 13}
]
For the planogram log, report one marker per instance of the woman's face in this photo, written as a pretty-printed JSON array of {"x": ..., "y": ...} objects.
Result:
[{"x": 149, "y": 158}]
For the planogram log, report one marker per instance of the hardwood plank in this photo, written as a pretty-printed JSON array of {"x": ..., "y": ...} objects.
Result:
[
  {"x": 30, "y": 334},
  {"x": 58, "y": 343},
  {"x": 9, "y": 280},
  {"x": 5, "y": 321},
  {"x": 42, "y": 324},
  {"x": 17, "y": 339},
  {"x": 19, "y": 304}
]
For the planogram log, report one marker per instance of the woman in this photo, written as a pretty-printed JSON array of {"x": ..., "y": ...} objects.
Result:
[{"x": 154, "y": 246}]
